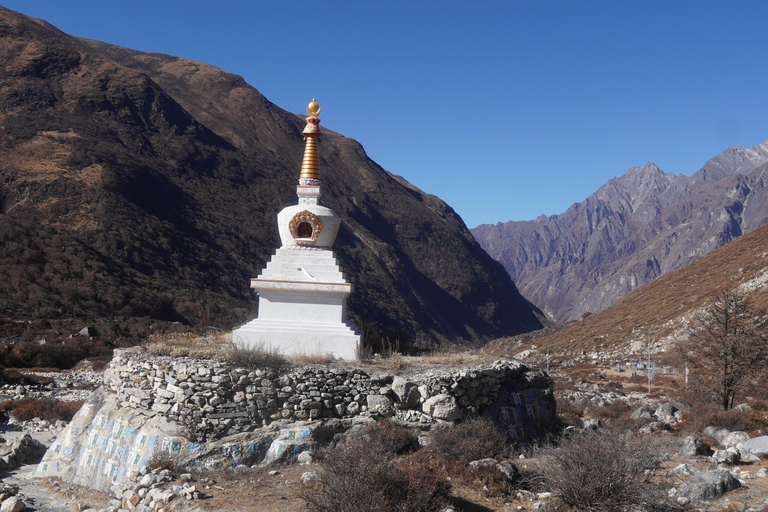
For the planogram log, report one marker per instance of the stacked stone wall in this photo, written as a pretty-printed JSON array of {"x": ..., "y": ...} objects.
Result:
[{"x": 212, "y": 399}]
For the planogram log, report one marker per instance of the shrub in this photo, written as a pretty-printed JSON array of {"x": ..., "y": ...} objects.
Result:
[
  {"x": 601, "y": 471},
  {"x": 161, "y": 462},
  {"x": 257, "y": 356},
  {"x": 703, "y": 415},
  {"x": 615, "y": 415},
  {"x": 360, "y": 475},
  {"x": 474, "y": 439},
  {"x": 569, "y": 412},
  {"x": 44, "y": 408},
  {"x": 393, "y": 437}
]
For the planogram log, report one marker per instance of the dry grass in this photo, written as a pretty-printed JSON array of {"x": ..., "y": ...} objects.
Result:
[
  {"x": 188, "y": 344},
  {"x": 44, "y": 408},
  {"x": 312, "y": 358}
]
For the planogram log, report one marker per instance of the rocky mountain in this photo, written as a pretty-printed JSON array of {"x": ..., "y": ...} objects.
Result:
[
  {"x": 664, "y": 307},
  {"x": 137, "y": 189},
  {"x": 632, "y": 230}
]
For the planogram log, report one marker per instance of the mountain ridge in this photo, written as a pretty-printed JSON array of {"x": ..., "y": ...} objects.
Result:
[
  {"x": 631, "y": 230},
  {"x": 143, "y": 196}
]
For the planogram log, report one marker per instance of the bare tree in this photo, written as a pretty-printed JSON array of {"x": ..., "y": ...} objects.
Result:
[{"x": 728, "y": 345}]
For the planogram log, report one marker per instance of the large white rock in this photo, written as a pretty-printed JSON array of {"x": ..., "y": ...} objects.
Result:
[
  {"x": 443, "y": 407},
  {"x": 756, "y": 446}
]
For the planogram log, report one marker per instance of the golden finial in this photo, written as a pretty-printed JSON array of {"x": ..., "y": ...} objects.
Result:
[{"x": 314, "y": 109}]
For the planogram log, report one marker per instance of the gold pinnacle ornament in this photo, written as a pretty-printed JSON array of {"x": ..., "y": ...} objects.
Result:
[{"x": 310, "y": 166}]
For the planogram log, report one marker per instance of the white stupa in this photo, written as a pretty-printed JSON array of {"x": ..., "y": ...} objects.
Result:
[{"x": 302, "y": 291}]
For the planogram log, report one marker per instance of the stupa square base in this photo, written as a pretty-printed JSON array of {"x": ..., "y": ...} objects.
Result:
[{"x": 339, "y": 340}]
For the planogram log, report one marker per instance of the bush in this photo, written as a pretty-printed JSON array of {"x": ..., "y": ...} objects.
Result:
[
  {"x": 257, "y": 356},
  {"x": 569, "y": 412},
  {"x": 601, "y": 471},
  {"x": 393, "y": 437},
  {"x": 44, "y": 408},
  {"x": 164, "y": 462},
  {"x": 361, "y": 475},
  {"x": 703, "y": 415},
  {"x": 474, "y": 439}
]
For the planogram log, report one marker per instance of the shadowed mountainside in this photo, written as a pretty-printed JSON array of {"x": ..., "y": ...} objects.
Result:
[
  {"x": 142, "y": 187},
  {"x": 632, "y": 230}
]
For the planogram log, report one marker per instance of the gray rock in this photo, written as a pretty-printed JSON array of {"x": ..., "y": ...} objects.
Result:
[
  {"x": 734, "y": 438},
  {"x": 718, "y": 433},
  {"x": 707, "y": 485},
  {"x": 756, "y": 446},
  {"x": 507, "y": 469},
  {"x": 13, "y": 504},
  {"x": 693, "y": 447},
  {"x": 729, "y": 457},
  {"x": 443, "y": 407},
  {"x": 28, "y": 450},
  {"x": 644, "y": 412},
  {"x": 407, "y": 392},
  {"x": 592, "y": 424},
  {"x": 379, "y": 402},
  {"x": 686, "y": 470},
  {"x": 667, "y": 413},
  {"x": 309, "y": 476},
  {"x": 304, "y": 458}
]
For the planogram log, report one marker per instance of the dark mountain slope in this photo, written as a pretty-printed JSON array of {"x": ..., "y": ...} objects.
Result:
[
  {"x": 152, "y": 192},
  {"x": 632, "y": 230}
]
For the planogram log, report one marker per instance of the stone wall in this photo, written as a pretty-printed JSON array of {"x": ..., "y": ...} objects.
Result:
[
  {"x": 205, "y": 413},
  {"x": 211, "y": 399}
]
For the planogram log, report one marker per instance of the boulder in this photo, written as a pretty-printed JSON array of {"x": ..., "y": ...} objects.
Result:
[
  {"x": 379, "y": 402},
  {"x": 407, "y": 392},
  {"x": 442, "y": 407},
  {"x": 756, "y": 446},
  {"x": 734, "y": 438},
  {"x": 28, "y": 450},
  {"x": 667, "y": 413},
  {"x": 644, "y": 412},
  {"x": 506, "y": 468},
  {"x": 693, "y": 447},
  {"x": 13, "y": 504},
  {"x": 717, "y": 432},
  {"x": 729, "y": 457},
  {"x": 707, "y": 485},
  {"x": 686, "y": 470}
]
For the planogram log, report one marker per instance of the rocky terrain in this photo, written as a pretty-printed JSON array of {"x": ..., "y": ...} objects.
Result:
[
  {"x": 634, "y": 229},
  {"x": 141, "y": 190},
  {"x": 703, "y": 466}
]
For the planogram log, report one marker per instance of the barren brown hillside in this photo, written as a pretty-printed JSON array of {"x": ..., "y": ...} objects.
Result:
[
  {"x": 138, "y": 190},
  {"x": 664, "y": 305}
]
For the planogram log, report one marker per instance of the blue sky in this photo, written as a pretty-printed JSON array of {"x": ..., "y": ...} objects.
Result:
[{"x": 506, "y": 110}]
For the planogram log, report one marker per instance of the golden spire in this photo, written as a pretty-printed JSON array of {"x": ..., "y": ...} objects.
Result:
[{"x": 310, "y": 166}]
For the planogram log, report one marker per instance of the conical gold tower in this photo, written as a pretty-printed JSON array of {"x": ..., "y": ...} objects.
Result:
[{"x": 310, "y": 166}]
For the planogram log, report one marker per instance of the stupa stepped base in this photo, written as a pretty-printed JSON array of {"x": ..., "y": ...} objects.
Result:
[
  {"x": 303, "y": 264},
  {"x": 341, "y": 340}
]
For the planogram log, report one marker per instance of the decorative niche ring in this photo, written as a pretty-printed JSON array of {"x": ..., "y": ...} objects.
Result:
[{"x": 305, "y": 227}]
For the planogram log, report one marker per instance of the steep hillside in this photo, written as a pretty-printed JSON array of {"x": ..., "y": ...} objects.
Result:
[
  {"x": 665, "y": 306},
  {"x": 632, "y": 230},
  {"x": 139, "y": 188}
]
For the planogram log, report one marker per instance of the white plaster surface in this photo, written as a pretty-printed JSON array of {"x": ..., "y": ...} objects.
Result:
[{"x": 302, "y": 306}]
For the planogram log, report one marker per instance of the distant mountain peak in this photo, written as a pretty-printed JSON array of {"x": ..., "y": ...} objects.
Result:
[{"x": 633, "y": 229}]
